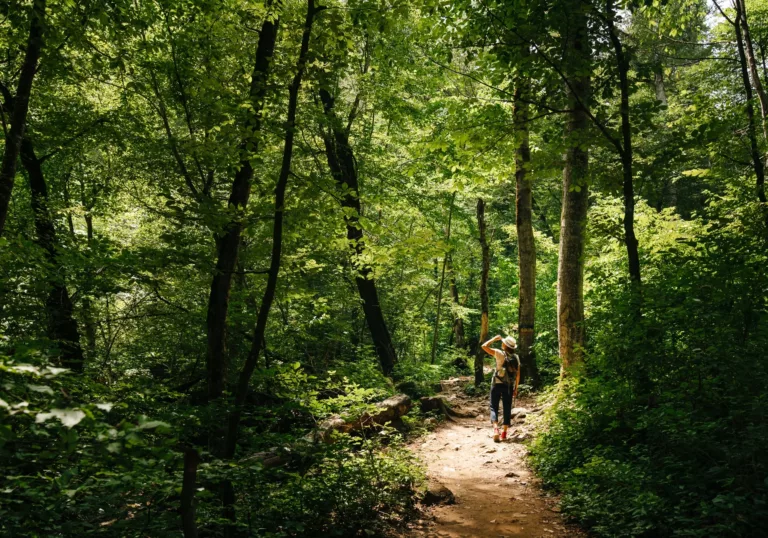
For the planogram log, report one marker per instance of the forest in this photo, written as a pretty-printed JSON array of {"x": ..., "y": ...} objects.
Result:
[{"x": 242, "y": 242}]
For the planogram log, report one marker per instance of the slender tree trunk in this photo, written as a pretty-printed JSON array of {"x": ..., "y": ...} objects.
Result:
[
  {"x": 442, "y": 280},
  {"x": 752, "y": 64},
  {"x": 228, "y": 242},
  {"x": 341, "y": 161},
  {"x": 757, "y": 162},
  {"x": 622, "y": 62},
  {"x": 88, "y": 321},
  {"x": 458, "y": 323},
  {"x": 526, "y": 250},
  {"x": 762, "y": 59},
  {"x": 20, "y": 107},
  {"x": 486, "y": 267},
  {"x": 89, "y": 325},
  {"x": 62, "y": 327},
  {"x": 277, "y": 241},
  {"x": 573, "y": 220},
  {"x": 658, "y": 80},
  {"x": 188, "y": 489}
]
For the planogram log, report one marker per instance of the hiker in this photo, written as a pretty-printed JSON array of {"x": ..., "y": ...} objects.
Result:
[{"x": 506, "y": 377}]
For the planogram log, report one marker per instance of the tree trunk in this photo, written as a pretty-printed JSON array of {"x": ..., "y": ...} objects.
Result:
[
  {"x": 573, "y": 219},
  {"x": 228, "y": 242},
  {"x": 749, "y": 50},
  {"x": 341, "y": 161},
  {"x": 458, "y": 323},
  {"x": 442, "y": 280},
  {"x": 88, "y": 321},
  {"x": 658, "y": 80},
  {"x": 62, "y": 327},
  {"x": 757, "y": 162},
  {"x": 20, "y": 107},
  {"x": 486, "y": 252},
  {"x": 526, "y": 250},
  {"x": 188, "y": 489},
  {"x": 277, "y": 242},
  {"x": 622, "y": 62}
]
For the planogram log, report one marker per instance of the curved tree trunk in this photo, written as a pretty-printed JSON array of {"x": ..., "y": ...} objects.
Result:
[
  {"x": 20, "y": 107},
  {"x": 341, "y": 161},
  {"x": 573, "y": 219},
  {"x": 526, "y": 245},
  {"x": 228, "y": 243},
  {"x": 486, "y": 267},
  {"x": 62, "y": 327}
]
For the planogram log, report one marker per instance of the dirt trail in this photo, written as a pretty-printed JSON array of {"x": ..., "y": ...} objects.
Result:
[{"x": 496, "y": 494}]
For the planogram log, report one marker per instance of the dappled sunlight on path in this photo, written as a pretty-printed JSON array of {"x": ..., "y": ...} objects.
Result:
[{"x": 496, "y": 494}]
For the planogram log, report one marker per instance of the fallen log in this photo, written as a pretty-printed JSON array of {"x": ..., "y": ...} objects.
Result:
[
  {"x": 389, "y": 410},
  {"x": 436, "y": 403}
]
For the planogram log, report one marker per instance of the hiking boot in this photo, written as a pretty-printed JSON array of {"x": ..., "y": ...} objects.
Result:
[
  {"x": 495, "y": 435},
  {"x": 504, "y": 435}
]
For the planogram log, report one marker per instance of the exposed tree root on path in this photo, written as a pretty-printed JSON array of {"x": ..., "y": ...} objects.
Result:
[{"x": 494, "y": 493}]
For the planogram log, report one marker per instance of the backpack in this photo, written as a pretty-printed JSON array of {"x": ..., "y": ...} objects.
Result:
[{"x": 511, "y": 365}]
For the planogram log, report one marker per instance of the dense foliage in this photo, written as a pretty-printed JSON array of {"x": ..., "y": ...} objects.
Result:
[{"x": 222, "y": 223}]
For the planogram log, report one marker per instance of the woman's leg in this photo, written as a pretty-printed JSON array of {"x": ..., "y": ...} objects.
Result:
[
  {"x": 495, "y": 396},
  {"x": 506, "y": 396}
]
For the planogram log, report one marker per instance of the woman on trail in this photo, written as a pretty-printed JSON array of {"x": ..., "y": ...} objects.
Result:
[{"x": 503, "y": 386}]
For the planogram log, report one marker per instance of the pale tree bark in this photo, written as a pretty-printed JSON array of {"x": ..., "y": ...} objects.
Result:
[
  {"x": 526, "y": 246},
  {"x": 442, "y": 280},
  {"x": 228, "y": 242},
  {"x": 573, "y": 219},
  {"x": 20, "y": 107},
  {"x": 486, "y": 267}
]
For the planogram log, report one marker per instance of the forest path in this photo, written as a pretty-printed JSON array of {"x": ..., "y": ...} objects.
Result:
[{"x": 496, "y": 494}]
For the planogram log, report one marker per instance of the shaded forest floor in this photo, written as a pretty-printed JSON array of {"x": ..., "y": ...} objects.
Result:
[{"x": 479, "y": 488}]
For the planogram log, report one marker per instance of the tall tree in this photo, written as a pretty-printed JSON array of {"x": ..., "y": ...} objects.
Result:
[
  {"x": 526, "y": 246},
  {"x": 442, "y": 279},
  {"x": 486, "y": 267},
  {"x": 757, "y": 161},
  {"x": 749, "y": 50},
  {"x": 62, "y": 327},
  {"x": 625, "y": 146},
  {"x": 20, "y": 107},
  {"x": 573, "y": 218},
  {"x": 277, "y": 238},
  {"x": 458, "y": 322},
  {"x": 228, "y": 243},
  {"x": 341, "y": 161}
]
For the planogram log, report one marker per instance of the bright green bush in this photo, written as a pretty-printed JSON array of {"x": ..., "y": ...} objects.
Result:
[{"x": 662, "y": 433}]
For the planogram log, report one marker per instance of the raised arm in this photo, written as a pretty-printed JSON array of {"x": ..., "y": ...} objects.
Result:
[{"x": 487, "y": 346}]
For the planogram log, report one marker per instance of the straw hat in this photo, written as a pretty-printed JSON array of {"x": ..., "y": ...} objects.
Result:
[{"x": 509, "y": 342}]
